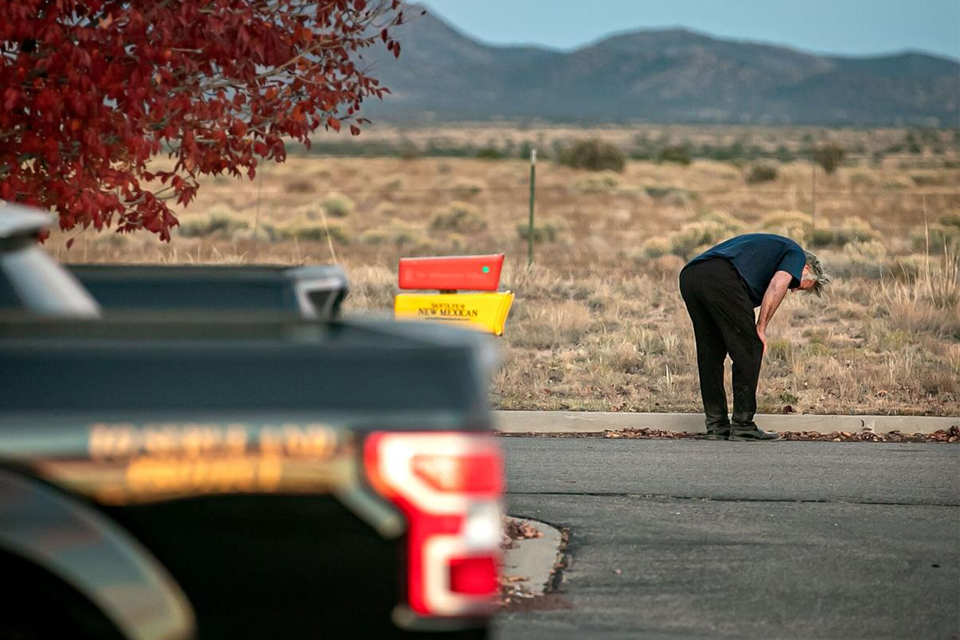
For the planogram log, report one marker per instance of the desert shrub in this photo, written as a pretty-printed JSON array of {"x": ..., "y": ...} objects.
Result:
[
  {"x": 605, "y": 181},
  {"x": 460, "y": 217},
  {"x": 307, "y": 232},
  {"x": 654, "y": 248},
  {"x": 406, "y": 236},
  {"x": 860, "y": 179},
  {"x": 301, "y": 185},
  {"x": 338, "y": 206},
  {"x": 546, "y": 231},
  {"x": 792, "y": 224},
  {"x": 951, "y": 219},
  {"x": 671, "y": 196},
  {"x": 926, "y": 179},
  {"x": 550, "y": 325},
  {"x": 722, "y": 218},
  {"x": 943, "y": 238},
  {"x": 659, "y": 192},
  {"x": 820, "y": 238},
  {"x": 263, "y": 233},
  {"x": 762, "y": 173},
  {"x": 666, "y": 267},
  {"x": 593, "y": 155},
  {"x": 675, "y": 154},
  {"x": 851, "y": 229},
  {"x": 866, "y": 260},
  {"x": 408, "y": 150},
  {"x": 780, "y": 349},
  {"x": 222, "y": 224},
  {"x": 694, "y": 236},
  {"x": 829, "y": 156},
  {"x": 467, "y": 187},
  {"x": 786, "y": 219},
  {"x": 374, "y": 237},
  {"x": 489, "y": 153},
  {"x": 908, "y": 267},
  {"x": 393, "y": 184}
]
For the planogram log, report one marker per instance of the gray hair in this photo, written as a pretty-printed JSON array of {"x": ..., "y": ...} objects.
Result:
[{"x": 817, "y": 274}]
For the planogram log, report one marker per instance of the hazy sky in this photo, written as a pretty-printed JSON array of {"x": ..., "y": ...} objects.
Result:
[{"x": 849, "y": 27}]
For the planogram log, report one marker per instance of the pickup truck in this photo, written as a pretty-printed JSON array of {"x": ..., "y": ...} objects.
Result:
[
  {"x": 223, "y": 475},
  {"x": 315, "y": 291}
]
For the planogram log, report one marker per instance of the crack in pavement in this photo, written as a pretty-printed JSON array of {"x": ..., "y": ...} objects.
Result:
[{"x": 653, "y": 496}]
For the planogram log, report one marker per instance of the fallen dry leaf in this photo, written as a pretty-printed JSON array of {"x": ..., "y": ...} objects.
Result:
[{"x": 951, "y": 435}]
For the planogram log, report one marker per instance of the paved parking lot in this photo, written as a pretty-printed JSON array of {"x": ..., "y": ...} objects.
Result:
[{"x": 717, "y": 539}]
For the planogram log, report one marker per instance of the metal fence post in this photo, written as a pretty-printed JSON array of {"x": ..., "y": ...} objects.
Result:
[
  {"x": 533, "y": 188},
  {"x": 813, "y": 217}
]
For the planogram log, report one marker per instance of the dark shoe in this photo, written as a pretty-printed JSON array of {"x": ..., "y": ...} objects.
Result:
[
  {"x": 751, "y": 432},
  {"x": 717, "y": 423},
  {"x": 716, "y": 433}
]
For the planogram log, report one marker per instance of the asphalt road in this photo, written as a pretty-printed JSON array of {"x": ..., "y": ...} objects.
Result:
[{"x": 695, "y": 539}]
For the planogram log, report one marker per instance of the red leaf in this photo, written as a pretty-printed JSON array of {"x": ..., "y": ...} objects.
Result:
[{"x": 334, "y": 123}]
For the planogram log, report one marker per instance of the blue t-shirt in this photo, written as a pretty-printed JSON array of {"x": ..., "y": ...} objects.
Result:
[{"x": 757, "y": 257}]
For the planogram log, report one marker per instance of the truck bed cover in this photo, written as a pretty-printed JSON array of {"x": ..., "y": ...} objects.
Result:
[{"x": 243, "y": 364}]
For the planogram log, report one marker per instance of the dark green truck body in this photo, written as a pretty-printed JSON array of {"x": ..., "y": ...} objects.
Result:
[
  {"x": 196, "y": 469},
  {"x": 314, "y": 291},
  {"x": 297, "y": 561}
]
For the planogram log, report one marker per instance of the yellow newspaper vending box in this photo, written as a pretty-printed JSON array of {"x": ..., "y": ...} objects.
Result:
[{"x": 486, "y": 311}]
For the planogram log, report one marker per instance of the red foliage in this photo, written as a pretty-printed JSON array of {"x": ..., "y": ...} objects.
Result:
[{"x": 90, "y": 90}]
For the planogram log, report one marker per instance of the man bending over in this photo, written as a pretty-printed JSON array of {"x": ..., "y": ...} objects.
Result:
[{"x": 721, "y": 287}]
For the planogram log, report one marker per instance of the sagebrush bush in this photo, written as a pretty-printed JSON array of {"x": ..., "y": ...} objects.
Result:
[
  {"x": 221, "y": 224},
  {"x": 597, "y": 183},
  {"x": 943, "y": 238},
  {"x": 654, "y": 248},
  {"x": 926, "y": 179},
  {"x": 395, "y": 183},
  {"x": 851, "y": 229},
  {"x": 762, "y": 173},
  {"x": 666, "y": 267},
  {"x": 829, "y": 156},
  {"x": 675, "y": 154},
  {"x": 545, "y": 231},
  {"x": 792, "y": 224},
  {"x": 593, "y": 155},
  {"x": 467, "y": 187},
  {"x": 338, "y": 206},
  {"x": 951, "y": 219},
  {"x": 301, "y": 185},
  {"x": 695, "y": 236},
  {"x": 306, "y": 232},
  {"x": 460, "y": 217},
  {"x": 489, "y": 153},
  {"x": 867, "y": 260},
  {"x": 374, "y": 237}
]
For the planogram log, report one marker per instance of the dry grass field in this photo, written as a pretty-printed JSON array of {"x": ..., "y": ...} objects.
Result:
[{"x": 598, "y": 323}]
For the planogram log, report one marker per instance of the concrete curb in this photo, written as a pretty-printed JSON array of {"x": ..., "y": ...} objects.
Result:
[
  {"x": 534, "y": 558},
  {"x": 600, "y": 421}
]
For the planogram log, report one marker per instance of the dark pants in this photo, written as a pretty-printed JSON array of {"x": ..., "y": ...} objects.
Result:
[{"x": 723, "y": 323}]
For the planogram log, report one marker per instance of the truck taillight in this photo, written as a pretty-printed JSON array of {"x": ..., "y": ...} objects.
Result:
[{"x": 449, "y": 487}]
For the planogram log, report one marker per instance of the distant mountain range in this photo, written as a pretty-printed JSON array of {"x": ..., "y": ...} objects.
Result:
[{"x": 668, "y": 76}]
